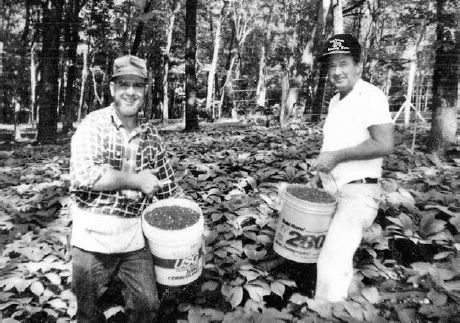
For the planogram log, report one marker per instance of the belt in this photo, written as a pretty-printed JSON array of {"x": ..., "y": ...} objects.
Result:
[{"x": 366, "y": 180}]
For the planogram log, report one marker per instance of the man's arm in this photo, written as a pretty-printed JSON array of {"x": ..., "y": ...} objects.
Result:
[
  {"x": 88, "y": 171},
  {"x": 380, "y": 143},
  {"x": 145, "y": 181}
]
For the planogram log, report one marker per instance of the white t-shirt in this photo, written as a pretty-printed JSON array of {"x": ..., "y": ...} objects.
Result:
[{"x": 347, "y": 125}]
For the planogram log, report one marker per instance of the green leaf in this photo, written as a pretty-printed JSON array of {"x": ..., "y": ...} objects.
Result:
[
  {"x": 452, "y": 285},
  {"x": 233, "y": 294},
  {"x": 256, "y": 292},
  {"x": 112, "y": 311},
  {"x": 19, "y": 283},
  {"x": 10, "y": 320},
  {"x": 53, "y": 278},
  {"x": 371, "y": 294},
  {"x": 406, "y": 315},
  {"x": 355, "y": 310},
  {"x": 209, "y": 285},
  {"x": 249, "y": 274},
  {"x": 437, "y": 298},
  {"x": 299, "y": 299},
  {"x": 37, "y": 288},
  {"x": 57, "y": 303},
  {"x": 443, "y": 255},
  {"x": 324, "y": 309},
  {"x": 278, "y": 288},
  {"x": 252, "y": 253}
]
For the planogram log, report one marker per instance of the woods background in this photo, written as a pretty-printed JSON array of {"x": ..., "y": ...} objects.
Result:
[
  {"x": 253, "y": 62},
  {"x": 245, "y": 57}
]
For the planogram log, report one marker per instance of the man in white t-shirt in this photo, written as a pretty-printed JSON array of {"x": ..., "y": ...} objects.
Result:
[{"x": 357, "y": 133}]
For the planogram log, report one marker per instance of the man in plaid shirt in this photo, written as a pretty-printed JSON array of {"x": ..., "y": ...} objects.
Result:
[{"x": 118, "y": 166}]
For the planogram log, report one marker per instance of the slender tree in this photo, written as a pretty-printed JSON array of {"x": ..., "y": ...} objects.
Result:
[
  {"x": 445, "y": 78},
  {"x": 213, "y": 66},
  {"x": 145, "y": 6},
  {"x": 321, "y": 72},
  {"x": 72, "y": 28},
  {"x": 261, "y": 89},
  {"x": 49, "y": 58},
  {"x": 173, "y": 11},
  {"x": 191, "y": 115}
]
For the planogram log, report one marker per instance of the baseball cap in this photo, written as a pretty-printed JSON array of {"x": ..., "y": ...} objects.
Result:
[
  {"x": 129, "y": 65},
  {"x": 342, "y": 44}
]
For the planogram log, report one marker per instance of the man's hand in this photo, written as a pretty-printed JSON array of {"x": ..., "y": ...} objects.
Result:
[
  {"x": 326, "y": 161},
  {"x": 149, "y": 183}
]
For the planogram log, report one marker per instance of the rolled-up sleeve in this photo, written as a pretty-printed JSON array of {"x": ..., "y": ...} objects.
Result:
[{"x": 86, "y": 162}]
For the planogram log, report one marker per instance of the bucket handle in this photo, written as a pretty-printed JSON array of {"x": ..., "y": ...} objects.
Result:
[
  {"x": 329, "y": 183},
  {"x": 282, "y": 187}
]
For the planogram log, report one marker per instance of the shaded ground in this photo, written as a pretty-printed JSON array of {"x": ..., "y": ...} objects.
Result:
[{"x": 408, "y": 268}]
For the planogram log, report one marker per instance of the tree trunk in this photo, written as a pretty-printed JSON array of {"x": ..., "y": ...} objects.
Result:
[
  {"x": 445, "y": 79},
  {"x": 227, "y": 87},
  {"x": 72, "y": 40},
  {"x": 47, "y": 123},
  {"x": 367, "y": 30},
  {"x": 157, "y": 96},
  {"x": 84, "y": 76},
  {"x": 33, "y": 86},
  {"x": 261, "y": 89},
  {"x": 17, "y": 108},
  {"x": 97, "y": 98},
  {"x": 212, "y": 68},
  {"x": 320, "y": 74},
  {"x": 169, "y": 34},
  {"x": 139, "y": 29},
  {"x": 191, "y": 115},
  {"x": 148, "y": 107},
  {"x": 338, "y": 17}
]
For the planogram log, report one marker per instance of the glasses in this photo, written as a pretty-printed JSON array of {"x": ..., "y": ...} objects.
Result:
[{"x": 127, "y": 85}]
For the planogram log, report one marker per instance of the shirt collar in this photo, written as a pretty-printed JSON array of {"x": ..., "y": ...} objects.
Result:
[
  {"x": 143, "y": 128},
  {"x": 115, "y": 119}
]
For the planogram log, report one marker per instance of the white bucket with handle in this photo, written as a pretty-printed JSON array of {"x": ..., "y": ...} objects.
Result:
[
  {"x": 302, "y": 226},
  {"x": 178, "y": 254}
]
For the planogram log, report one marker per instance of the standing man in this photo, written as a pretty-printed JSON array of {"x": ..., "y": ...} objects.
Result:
[
  {"x": 117, "y": 167},
  {"x": 357, "y": 133}
]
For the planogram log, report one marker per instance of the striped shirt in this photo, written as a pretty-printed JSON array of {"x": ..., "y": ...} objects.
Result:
[{"x": 100, "y": 143}]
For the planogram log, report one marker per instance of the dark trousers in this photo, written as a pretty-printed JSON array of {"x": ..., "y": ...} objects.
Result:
[{"x": 93, "y": 272}]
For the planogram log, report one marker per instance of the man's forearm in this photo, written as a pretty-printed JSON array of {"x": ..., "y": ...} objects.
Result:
[
  {"x": 368, "y": 149},
  {"x": 380, "y": 143},
  {"x": 113, "y": 180}
]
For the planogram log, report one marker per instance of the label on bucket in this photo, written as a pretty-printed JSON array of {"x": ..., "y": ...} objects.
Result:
[
  {"x": 296, "y": 243},
  {"x": 180, "y": 271}
]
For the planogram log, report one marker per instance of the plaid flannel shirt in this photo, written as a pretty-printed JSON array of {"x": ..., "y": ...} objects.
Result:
[{"x": 98, "y": 145}]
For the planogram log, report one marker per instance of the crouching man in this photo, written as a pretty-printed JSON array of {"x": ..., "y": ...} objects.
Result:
[
  {"x": 358, "y": 132},
  {"x": 118, "y": 166}
]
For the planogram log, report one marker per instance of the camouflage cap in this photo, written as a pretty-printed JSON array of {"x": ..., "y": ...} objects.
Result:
[{"x": 129, "y": 65}]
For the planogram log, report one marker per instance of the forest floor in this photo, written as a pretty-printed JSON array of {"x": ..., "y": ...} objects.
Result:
[{"x": 407, "y": 267}]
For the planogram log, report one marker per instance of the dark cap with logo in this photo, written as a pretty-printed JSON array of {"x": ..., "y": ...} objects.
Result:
[
  {"x": 342, "y": 44},
  {"x": 129, "y": 65}
]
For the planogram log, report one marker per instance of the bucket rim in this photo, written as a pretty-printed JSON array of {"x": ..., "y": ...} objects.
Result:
[
  {"x": 173, "y": 202},
  {"x": 310, "y": 202}
]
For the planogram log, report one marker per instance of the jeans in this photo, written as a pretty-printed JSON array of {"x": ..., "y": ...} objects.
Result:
[
  {"x": 92, "y": 273},
  {"x": 357, "y": 208}
]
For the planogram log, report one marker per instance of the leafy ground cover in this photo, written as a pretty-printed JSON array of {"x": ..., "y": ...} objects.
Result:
[{"x": 408, "y": 266}]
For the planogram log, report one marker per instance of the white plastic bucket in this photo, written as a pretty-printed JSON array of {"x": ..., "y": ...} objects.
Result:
[
  {"x": 302, "y": 227},
  {"x": 178, "y": 254}
]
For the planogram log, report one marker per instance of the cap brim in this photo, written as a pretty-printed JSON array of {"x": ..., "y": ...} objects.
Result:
[{"x": 131, "y": 75}]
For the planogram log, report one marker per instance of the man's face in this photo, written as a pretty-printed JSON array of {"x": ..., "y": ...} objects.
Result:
[
  {"x": 128, "y": 93},
  {"x": 343, "y": 72}
]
